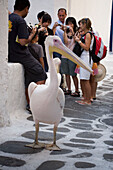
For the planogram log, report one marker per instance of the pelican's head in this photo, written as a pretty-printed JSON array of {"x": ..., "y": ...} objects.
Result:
[{"x": 54, "y": 44}]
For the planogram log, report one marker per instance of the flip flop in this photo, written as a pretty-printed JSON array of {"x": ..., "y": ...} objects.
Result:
[
  {"x": 76, "y": 94},
  {"x": 83, "y": 103}
]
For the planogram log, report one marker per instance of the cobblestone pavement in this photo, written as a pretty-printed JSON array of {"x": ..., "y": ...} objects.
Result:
[{"x": 85, "y": 136}]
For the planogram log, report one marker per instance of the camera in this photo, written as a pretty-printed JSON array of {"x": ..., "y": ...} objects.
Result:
[{"x": 59, "y": 25}]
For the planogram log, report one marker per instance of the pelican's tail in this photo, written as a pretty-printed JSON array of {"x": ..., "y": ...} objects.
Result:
[{"x": 31, "y": 88}]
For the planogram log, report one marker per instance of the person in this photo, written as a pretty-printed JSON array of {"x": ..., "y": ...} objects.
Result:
[
  {"x": 57, "y": 28},
  {"x": 39, "y": 17},
  {"x": 18, "y": 51},
  {"x": 67, "y": 66},
  {"x": 44, "y": 31},
  {"x": 85, "y": 25},
  {"x": 36, "y": 50}
]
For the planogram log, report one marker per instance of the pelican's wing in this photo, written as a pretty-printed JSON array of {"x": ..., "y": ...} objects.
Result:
[{"x": 61, "y": 98}]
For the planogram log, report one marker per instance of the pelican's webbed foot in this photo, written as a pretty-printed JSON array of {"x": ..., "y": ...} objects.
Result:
[
  {"x": 36, "y": 145},
  {"x": 52, "y": 147}
]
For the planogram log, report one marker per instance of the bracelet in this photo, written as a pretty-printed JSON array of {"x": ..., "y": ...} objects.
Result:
[{"x": 79, "y": 42}]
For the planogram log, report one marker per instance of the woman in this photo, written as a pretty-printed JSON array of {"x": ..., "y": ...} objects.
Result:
[
  {"x": 67, "y": 66},
  {"x": 44, "y": 31},
  {"x": 85, "y": 25}
]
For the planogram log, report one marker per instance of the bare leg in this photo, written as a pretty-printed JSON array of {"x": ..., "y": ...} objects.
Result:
[
  {"x": 87, "y": 91},
  {"x": 68, "y": 82},
  {"x": 53, "y": 146},
  {"x": 93, "y": 87},
  {"x": 82, "y": 87},
  {"x": 75, "y": 80}
]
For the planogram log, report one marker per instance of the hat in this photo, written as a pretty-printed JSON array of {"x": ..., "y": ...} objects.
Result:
[{"x": 101, "y": 73}]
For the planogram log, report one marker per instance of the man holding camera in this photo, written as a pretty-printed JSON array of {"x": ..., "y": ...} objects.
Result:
[
  {"x": 58, "y": 30},
  {"x": 58, "y": 26}
]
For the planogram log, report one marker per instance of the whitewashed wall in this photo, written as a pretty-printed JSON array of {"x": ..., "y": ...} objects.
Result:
[
  {"x": 4, "y": 114},
  {"x": 50, "y": 6},
  {"x": 99, "y": 11}
]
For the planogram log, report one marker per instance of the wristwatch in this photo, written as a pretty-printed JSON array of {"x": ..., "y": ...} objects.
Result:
[{"x": 79, "y": 42}]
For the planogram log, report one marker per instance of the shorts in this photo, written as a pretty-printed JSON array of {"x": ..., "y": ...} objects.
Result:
[
  {"x": 84, "y": 74},
  {"x": 68, "y": 67}
]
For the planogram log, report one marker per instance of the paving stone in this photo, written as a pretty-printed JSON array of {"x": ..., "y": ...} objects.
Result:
[
  {"x": 18, "y": 147},
  {"x": 108, "y": 157},
  {"x": 43, "y": 136},
  {"x": 81, "y": 121},
  {"x": 108, "y": 121},
  {"x": 109, "y": 142},
  {"x": 81, "y": 155},
  {"x": 81, "y": 126},
  {"x": 11, "y": 162},
  {"x": 62, "y": 152},
  {"x": 89, "y": 135},
  {"x": 80, "y": 146},
  {"x": 82, "y": 141},
  {"x": 111, "y": 136},
  {"x": 99, "y": 126},
  {"x": 111, "y": 149},
  {"x": 79, "y": 114},
  {"x": 61, "y": 129},
  {"x": 51, "y": 165},
  {"x": 84, "y": 165}
]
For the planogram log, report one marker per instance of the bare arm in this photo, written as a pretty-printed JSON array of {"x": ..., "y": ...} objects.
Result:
[
  {"x": 41, "y": 61},
  {"x": 65, "y": 36},
  {"x": 26, "y": 41}
]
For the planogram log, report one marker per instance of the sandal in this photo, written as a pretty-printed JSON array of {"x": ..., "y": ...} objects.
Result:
[
  {"x": 68, "y": 92},
  {"x": 75, "y": 94},
  {"x": 83, "y": 103}
]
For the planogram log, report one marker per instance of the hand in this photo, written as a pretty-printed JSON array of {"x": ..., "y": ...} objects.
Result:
[
  {"x": 55, "y": 25},
  {"x": 41, "y": 29},
  {"x": 34, "y": 31},
  {"x": 77, "y": 39}
]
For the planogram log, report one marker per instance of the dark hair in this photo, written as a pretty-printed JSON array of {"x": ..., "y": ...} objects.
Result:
[
  {"x": 21, "y": 4},
  {"x": 40, "y": 14},
  {"x": 85, "y": 21},
  {"x": 46, "y": 17},
  {"x": 73, "y": 20},
  {"x": 61, "y": 9}
]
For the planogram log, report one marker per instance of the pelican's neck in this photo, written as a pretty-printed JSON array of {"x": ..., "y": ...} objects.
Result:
[{"x": 53, "y": 72}]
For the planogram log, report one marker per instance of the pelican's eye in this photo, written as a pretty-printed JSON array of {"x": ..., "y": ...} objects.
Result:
[{"x": 55, "y": 40}]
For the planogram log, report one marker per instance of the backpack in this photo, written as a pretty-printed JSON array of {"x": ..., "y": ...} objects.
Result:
[{"x": 99, "y": 50}]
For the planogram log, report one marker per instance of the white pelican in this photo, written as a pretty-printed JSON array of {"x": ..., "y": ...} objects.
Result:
[{"x": 47, "y": 102}]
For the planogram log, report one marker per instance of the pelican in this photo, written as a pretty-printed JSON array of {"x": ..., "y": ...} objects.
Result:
[{"x": 47, "y": 101}]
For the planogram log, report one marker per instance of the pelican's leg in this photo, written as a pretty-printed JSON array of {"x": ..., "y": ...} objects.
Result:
[
  {"x": 36, "y": 144},
  {"x": 53, "y": 146}
]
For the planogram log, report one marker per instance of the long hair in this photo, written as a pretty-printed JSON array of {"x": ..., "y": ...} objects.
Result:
[
  {"x": 73, "y": 21},
  {"x": 86, "y": 21}
]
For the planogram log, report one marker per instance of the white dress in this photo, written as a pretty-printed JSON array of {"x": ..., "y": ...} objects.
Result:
[{"x": 85, "y": 56}]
